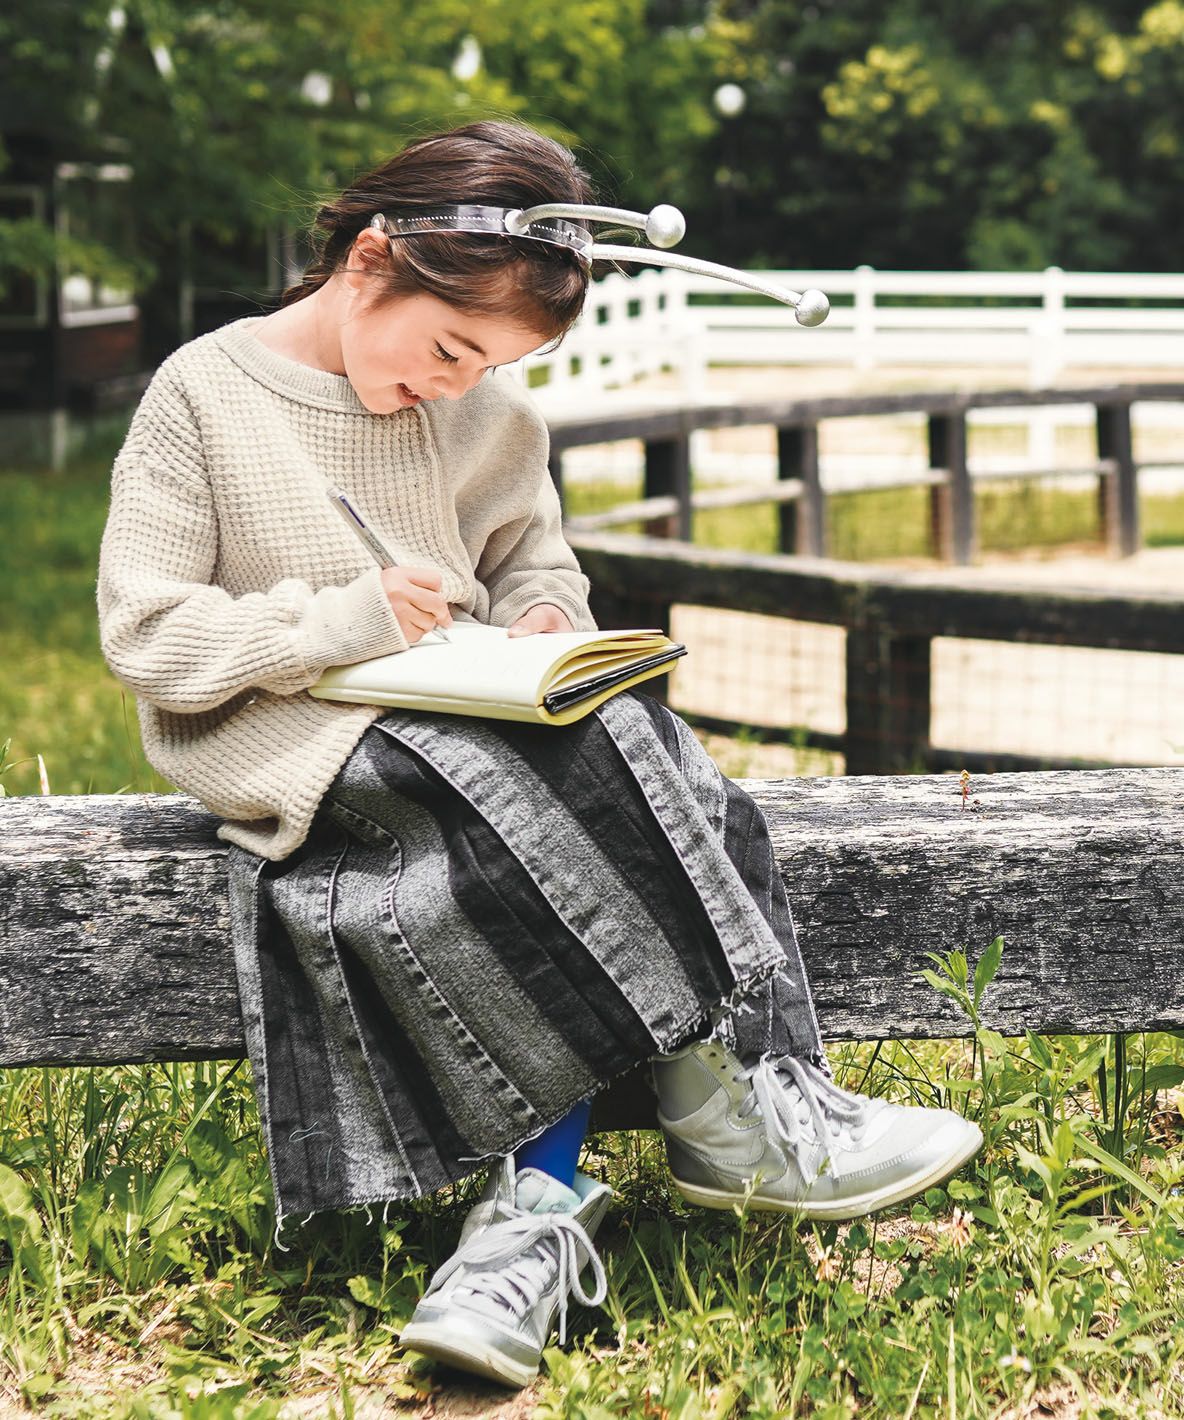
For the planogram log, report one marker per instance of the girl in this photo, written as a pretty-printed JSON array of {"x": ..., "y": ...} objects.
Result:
[{"x": 450, "y": 933}]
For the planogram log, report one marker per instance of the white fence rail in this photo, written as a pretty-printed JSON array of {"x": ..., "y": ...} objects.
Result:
[{"x": 1048, "y": 322}]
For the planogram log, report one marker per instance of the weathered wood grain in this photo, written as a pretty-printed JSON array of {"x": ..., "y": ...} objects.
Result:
[
  {"x": 114, "y": 932},
  {"x": 909, "y": 603},
  {"x": 1081, "y": 872}
]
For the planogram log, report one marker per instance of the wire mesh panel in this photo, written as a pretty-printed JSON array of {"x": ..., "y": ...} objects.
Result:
[
  {"x": 1058, "y": 702},
  {"x": 901, "y": 671},
  {"x": 759, "y": 670}
]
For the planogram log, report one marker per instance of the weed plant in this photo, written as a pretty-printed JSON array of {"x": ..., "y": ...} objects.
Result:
[{"x": 141, "y": 1279}]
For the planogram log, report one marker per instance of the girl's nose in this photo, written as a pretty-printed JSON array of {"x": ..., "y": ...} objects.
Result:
[{"x": 455, "y": 382}]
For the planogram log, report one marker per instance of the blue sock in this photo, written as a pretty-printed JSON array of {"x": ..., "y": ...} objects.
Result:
[{"x": 556, "y": 1151}]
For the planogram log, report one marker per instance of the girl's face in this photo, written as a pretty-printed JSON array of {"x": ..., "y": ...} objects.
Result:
[{"x": 400, "y": 352}]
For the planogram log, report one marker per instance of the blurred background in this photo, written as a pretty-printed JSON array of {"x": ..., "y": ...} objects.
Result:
[
  {"x": 991, "y": 195},
  {"x": 172, "y": 149}
]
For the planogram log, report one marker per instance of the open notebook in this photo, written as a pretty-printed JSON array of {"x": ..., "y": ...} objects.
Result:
[{"x": 551, "y": 678}]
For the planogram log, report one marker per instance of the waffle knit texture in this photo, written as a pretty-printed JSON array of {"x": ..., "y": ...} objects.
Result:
[{"x": 228, "y": 583}]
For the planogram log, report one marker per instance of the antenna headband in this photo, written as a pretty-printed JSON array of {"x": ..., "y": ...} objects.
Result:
[
  {"x": 548, "y": 222},
  {"x": 490, "y": 221}
]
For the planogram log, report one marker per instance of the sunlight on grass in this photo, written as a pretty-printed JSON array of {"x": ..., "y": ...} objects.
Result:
[
  {"x": 58, "y": 698},
  {"x": 137, "y": 1226}
]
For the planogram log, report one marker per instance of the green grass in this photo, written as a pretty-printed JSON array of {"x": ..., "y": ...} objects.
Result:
[
  {"x": 57, "y": 698},
  {"x": 136, "y": 1234},
  {"x": 139, "y": 1279}
]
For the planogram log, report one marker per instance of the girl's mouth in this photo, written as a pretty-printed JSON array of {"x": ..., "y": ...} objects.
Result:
[{"x": 409, "y": 395}]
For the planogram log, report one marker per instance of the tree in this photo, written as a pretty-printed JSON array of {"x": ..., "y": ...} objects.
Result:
[
  {"x": 238, "y": 114},
  {"x": 1012, "y": 133},
  {"x": 907, "y": 133}
]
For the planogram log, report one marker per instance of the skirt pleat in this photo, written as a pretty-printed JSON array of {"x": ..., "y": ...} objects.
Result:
[{"x": 489, "y": 922}]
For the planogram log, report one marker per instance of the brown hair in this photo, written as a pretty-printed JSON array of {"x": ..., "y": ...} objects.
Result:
[{"x": 527, "y": 282}]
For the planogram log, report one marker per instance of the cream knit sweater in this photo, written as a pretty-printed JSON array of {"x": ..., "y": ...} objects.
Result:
[{"x": 227, "y": 582}]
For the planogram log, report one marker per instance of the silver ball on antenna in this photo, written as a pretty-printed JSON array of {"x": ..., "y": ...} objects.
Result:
[
  {"x": 812, "y": 308},
  {"x": 665, "y": 226}
]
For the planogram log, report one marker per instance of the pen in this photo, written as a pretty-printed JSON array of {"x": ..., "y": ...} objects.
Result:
[{"x": 357, "y": 525}]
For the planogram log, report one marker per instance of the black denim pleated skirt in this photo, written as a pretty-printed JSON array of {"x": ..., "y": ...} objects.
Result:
[{"x": 487, "y": 923}]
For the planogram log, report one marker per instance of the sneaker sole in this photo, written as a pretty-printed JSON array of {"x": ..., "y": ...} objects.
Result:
[
  {"x": 470, "y": 1354},
  {"x": 836, "y": 1210}
]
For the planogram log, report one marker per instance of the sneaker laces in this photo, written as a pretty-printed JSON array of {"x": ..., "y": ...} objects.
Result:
[
  {"x": 519, "y": 1248},
  {"x": 828, "y": 1107}
]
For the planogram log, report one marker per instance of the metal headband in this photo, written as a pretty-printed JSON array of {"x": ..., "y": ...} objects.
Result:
[
  {"x": 664, "y": 226},
  {"x": 490, "y": 221}
]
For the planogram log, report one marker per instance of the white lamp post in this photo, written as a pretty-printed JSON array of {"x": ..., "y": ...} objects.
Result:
[{"x": 729, "y": 100}]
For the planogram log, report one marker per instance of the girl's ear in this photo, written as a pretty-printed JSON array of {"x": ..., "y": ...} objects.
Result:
[{"x": 369, "y": 255}]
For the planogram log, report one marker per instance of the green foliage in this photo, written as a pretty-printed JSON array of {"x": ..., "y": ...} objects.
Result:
[
  {"x": 28, "y": 247},
  {"x": 209, "y": 105},
  {"x": 910, "y": 135},
  {"x": 936, "y": 136}
]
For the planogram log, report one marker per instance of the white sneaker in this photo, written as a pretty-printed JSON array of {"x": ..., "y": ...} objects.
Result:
[
  {"x": 783, "y": 1136},
  {"x": 490, "y": 1308}
]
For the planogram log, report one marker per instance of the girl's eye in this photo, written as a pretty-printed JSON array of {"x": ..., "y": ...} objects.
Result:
[{"x": 442, "y": 354}]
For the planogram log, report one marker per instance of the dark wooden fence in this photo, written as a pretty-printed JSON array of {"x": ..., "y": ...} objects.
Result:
[
  {"x": 670, "y": 502},
  {"x": 890, "y": 618}
]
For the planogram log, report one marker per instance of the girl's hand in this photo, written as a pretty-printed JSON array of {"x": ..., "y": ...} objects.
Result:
[
  {"x": 543, "y": 617},
  {"x": 415, "y": 598}
]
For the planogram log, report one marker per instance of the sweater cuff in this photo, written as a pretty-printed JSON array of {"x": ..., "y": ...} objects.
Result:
[
  {"x": 350, "y": 623},
  {"x": 517, "y": 604}
]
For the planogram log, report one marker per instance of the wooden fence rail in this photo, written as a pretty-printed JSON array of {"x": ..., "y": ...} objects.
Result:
[
  {"x": 671, "y": 500},
  {"x": 114, "y": 941},
  {"x": 891, "y": 619}
]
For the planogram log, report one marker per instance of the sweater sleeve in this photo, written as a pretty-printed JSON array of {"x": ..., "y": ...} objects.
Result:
[
  {"x": 168, "y": 633},
  {"x": 528, "y": 560}
]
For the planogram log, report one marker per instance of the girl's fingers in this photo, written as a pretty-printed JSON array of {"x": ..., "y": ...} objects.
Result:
[
  {"x": 415, "y": 592},
  {"x": 431, "y": 604},
  {"x": 414, "y": 623},
  {"x": 423, "y": 577}
]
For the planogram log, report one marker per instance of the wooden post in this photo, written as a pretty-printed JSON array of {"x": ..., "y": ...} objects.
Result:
[
  {"x": 1118, "y": 492},
  {"x": 802, "y": 524},
  {"x": 668, "y": 474},
  {"x": 888, "y": 692},
  {"x": 951, "y": 504}
]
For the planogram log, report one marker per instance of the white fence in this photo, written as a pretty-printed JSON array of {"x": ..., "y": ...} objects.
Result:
[{"x": 1045, "y": 322}]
